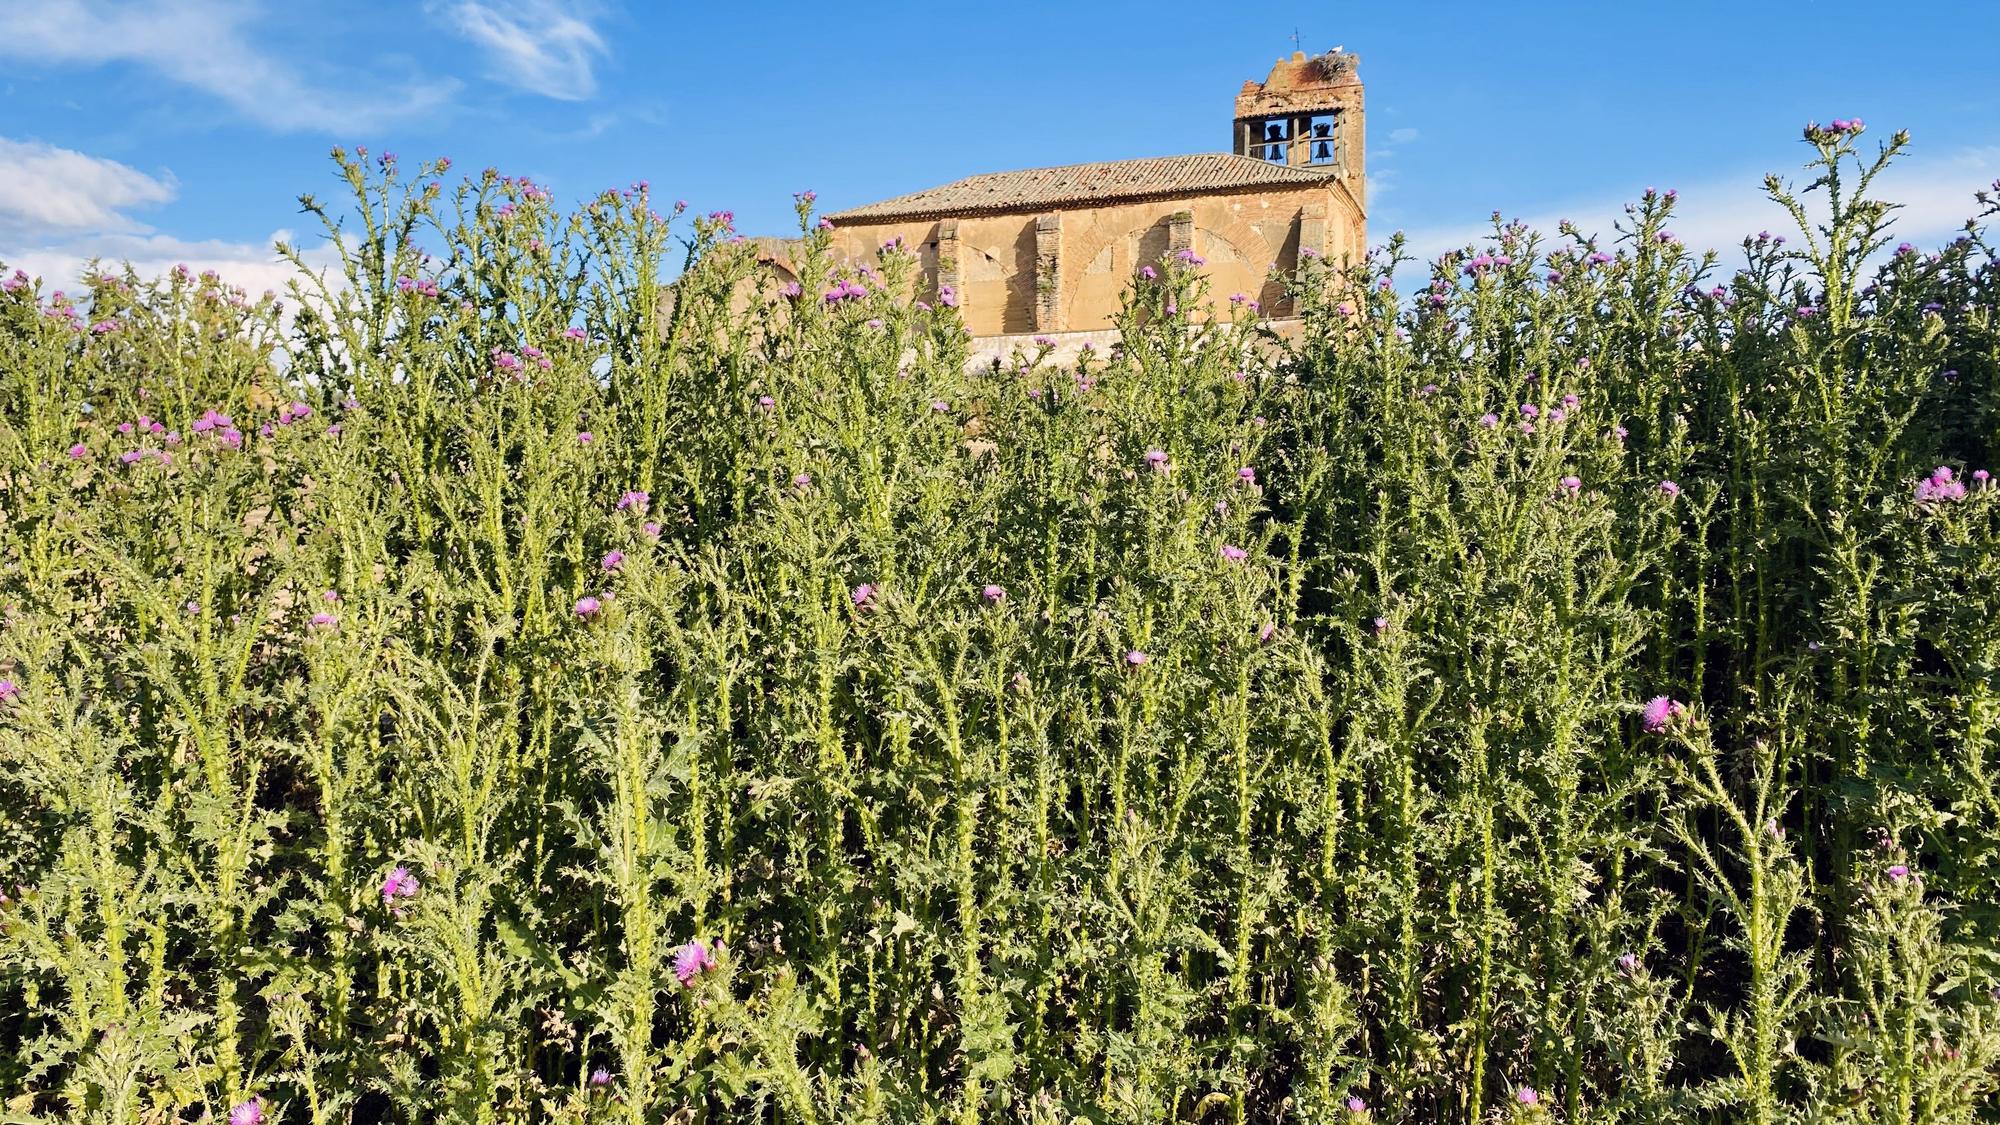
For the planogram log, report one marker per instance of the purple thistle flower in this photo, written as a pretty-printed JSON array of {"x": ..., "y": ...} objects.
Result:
[
  {"x": 635, "y": 500},
  {"x": 9, "y": 690},
  {"x": 586, "y": 606},
  {"x": 864, "y": 596},
  {"x": 693, "y": 959},
  {"x": 1157, "y": 459},
  {"x": 1572, "y": 485},
  {"x": 1234, "y": 553},
  {"x": 1530, "y": 410},
  {"x": 1628, "y": 963},
  {"x": 249, "y": 1112},
  {"x": 1489, "y": 421},
  {"x": 600, "y": 1078},
  {"x": 1659, "y": 711},
  {"x": 613, "y": 559},
  {"x": 941, "y": 407},
  {"x": 399, "y": 884},
  {"x": 575, "y": 333},
  {"x": 1136, "y": 658},
  {"x": 1669, "y": 489},
  {"x": 1620, "y": 432},
  {"x": 802, "y": 480},
  {"x": 1148, "y": 272},
  {"x": 1570, "y": 401},
  {"x": 1247, "y": 475},
  {"x": 323, "y": 620},
  {"x": 1266, "y": 632},
  {"x": 1355, "y": 1105},
  {"x": 1526, "y": 1096},
  {"x": 994, "y": 595},
  {"x": 1898, "y": 872},
  {"x": 78, "y": 451},
  {"x": 585, "y": 437},
  {"x": 651, "y": 528}
]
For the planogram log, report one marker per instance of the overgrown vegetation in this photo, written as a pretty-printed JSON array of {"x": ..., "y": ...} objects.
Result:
[{"x": 1569, "y": 695}]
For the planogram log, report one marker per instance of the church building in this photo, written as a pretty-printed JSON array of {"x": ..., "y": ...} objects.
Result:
[{"x": 1047, "y": 251}]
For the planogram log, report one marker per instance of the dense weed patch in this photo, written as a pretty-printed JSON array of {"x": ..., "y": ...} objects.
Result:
[{"x": 1571, "y": 695}]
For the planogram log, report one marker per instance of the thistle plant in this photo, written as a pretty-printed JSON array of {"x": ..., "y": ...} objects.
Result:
[{"x": 551, "y": 666}]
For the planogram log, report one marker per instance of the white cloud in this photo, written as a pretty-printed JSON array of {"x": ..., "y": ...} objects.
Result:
[
  {"x": 205, "y": 44},
  {"x": 1403, "y": 136},
  {"x": 60, "y": 263},
  {"x": 540, "y": 46},
  {"x": 42, "y": 186},
  {"x": 1934, "y": 193}
]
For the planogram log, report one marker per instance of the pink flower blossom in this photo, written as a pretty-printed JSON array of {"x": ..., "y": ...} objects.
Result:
[
  {"x": 1898, "y": 872},
  {"x": 1526, "y": 1096},
  {"x": 613, "y": 559},
  {"x": 9, "y": 690},
  {"x": 585, "y": 437},
  {"x": 993, "y": 595},
  {"x": 1234, "y": 553},
  {"x": 78, "y": 451},
  {"x": 1572, "y": 485},
  {"x": 1136, "y": 658},
  {"x": 692, "y": 960},
  {"x": 247, "y": 1112},
  {"x": 1940, "y": 485},
  {"x": 600, "y": 1078},
  {"x": 634, "y": 500},
  {"x": 586, "y": 606},
  {"x": 1355, "y": 1105},
  {"x": 652, "y": 529},
  {"x": 399, "y": 884},
  {"x": 1266, "y": 632},
  {"x": 1659, "y": 711},
  {"x": 1157, "y": 459},
  {"x": 864, "y": 596},
  {"x": 1669, "y": 489},
  {"x": 802, "y": 480},
  {"x": 323, "y": 620}
]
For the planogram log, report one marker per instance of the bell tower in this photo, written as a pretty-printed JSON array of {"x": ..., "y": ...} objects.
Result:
[{"x": 1307, "y": 114}]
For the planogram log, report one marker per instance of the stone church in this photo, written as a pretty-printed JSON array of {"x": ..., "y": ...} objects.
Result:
[{"x": 1047, "y": 251}]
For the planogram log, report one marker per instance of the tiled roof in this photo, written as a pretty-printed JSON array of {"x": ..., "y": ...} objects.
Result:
[{"x": 1081, "y": 184}]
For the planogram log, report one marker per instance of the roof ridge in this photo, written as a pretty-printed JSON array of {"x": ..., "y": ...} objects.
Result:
[{"x": 1132, "y": 178}]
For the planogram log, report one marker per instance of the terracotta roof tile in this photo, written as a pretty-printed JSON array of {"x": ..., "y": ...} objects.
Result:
[{"x": 1082, "y": 184}]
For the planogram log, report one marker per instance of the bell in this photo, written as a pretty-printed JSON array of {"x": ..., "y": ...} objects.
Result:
[
  {"x": 1324, "y": 151},
  {"x": 1274, "y": 132}
]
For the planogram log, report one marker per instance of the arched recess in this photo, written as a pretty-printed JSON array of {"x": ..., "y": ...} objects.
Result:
[
  {"x": 1102, "y": 265},
  {"x": 1239, "y": 259},
  {"x": 996, "y": 271}
]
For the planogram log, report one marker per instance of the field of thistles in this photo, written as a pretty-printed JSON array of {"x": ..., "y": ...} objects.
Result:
[{"x": 489, "y": 688}]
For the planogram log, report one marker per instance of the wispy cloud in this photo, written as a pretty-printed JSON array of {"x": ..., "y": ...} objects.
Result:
[
  {"x": 542, "y": 46},
  {"x": 207, "y": 45},
  {"x": 254, "y": 266},
  {"x": 1934, "y": 195},
  {"x": 61, "y": 209},
  {"x": 43, "y": 187}
]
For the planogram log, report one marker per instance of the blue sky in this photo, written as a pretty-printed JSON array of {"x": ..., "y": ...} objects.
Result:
[{"x": 183, "y": 130}]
